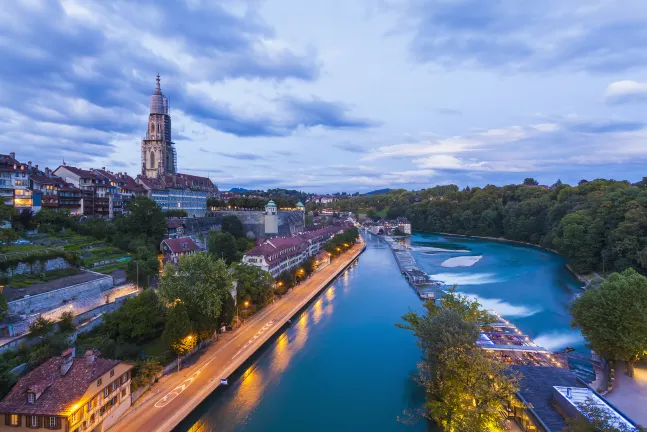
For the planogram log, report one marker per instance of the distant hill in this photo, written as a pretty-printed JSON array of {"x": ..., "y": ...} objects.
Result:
[
  {"x": 378, "y": 192},
  {"x": 240, "y": 190}
]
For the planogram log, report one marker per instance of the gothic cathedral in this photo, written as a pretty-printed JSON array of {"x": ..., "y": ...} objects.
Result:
[{"x": 158, "y": 151}]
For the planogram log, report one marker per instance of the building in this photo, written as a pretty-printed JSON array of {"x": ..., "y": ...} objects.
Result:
[
  {"x": 271, "y": 218},
  {"x": 550, "y": 395},
  {"x": 14, "y": 182},
  {"x": 97, "y": 193},
  {"x": 174, "y": 248},
  {"x": 158, "y": 150},
  {"x": 180, "y": 192},
  {"x": 174, "y": 228},
  {"x": 278, "y": 254},
  {"x": 71, "y": 394}
]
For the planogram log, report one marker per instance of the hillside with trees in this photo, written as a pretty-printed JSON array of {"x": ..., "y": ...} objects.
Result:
[{"x": 599, "y": 225}]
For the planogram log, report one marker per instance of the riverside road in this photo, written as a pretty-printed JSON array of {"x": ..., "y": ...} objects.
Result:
[{"x": 176, "y": 395}]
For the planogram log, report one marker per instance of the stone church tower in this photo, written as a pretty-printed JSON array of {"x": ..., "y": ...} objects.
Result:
[{"x": 158, "y": 151}]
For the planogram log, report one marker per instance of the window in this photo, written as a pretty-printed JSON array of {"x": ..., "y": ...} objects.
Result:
[
  {"x": 123, "y": 393},
  {"x": 114, "y": 385},
  {"x": 106, "y": 391},
  {"x": 52, "y": 422},
  {"x": 15, "y": 418},
  {"x": 112, "y": 373},
  {"x": 34, "y": 421},
  {"x": 98, "y": 382},
  {"x": 31, "y": 397},
  {"x": 75, "y": 417}
]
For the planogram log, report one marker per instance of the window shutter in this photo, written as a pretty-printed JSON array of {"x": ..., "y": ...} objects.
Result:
[
  {"x": 58, "y": 423},
  {"x": 41, "y": 419},
  {"x": 19, "y": 420},
  {"x": 7, "y": 419}
]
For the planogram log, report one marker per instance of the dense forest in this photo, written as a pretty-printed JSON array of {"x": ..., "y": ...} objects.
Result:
[{"x": 599, "y": 225}]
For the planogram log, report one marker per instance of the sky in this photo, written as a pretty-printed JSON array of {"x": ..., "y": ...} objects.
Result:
[{"x": 333, "y": 95}]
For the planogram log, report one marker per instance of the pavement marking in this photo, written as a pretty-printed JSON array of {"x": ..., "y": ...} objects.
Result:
[{"x": 170, "y": 396}]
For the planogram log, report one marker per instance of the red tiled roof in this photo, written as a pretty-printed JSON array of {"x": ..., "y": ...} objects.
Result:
[
  {"x": 81, "y": 172},
  {"x": 180, "y": 181},
  {"x": 43, "y": 179},
  {"x": 175, "y": 245},
  {"x": 59, "y": 392}
]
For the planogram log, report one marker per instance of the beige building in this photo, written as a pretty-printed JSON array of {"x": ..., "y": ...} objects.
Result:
[{"x": 70, "y": 394}]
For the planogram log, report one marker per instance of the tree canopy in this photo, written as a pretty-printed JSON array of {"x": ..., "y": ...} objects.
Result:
[
  {"x": 612, "y": 317},
  {"x": 253, "y": 284}
]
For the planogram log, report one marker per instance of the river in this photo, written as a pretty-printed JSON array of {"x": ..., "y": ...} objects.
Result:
[{"x": 343, "y": 365}]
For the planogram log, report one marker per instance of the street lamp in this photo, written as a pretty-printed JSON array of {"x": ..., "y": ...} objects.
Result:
[{"x": 187, "y": 339}]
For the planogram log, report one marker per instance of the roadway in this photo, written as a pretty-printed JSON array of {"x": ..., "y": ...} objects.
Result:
[{"x": 176, "y": 395}]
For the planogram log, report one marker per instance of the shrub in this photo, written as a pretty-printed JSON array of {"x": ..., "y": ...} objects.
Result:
[
  {"x": 66, "y": 324},
  {"x": 41, "y": 327}
]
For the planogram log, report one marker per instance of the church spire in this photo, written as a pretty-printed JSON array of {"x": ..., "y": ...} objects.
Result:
[{"x": 158, "y": 90}]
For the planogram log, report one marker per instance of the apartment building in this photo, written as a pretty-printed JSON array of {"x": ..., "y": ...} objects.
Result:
[{"x": 69, "y": 393}]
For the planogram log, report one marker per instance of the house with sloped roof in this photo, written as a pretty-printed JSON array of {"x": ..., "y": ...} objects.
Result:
[
  {"x": 69, "y": 393},
  {"x": 174, "y": 248}
]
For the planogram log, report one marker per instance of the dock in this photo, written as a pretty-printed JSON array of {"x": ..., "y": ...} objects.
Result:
[{"x": 420, "y": 281}]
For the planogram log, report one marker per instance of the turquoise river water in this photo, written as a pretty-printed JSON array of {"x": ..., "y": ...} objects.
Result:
[{"x": 343, "y": 365}]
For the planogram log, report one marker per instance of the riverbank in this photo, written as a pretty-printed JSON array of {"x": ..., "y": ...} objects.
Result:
[{"x": 177, "y": 395}]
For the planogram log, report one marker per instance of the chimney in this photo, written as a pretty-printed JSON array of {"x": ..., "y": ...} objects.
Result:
[
  {"x": 569, "y": 394},
  {"x": 13, "y": 155},
  {"x": 89, "y": 356},
  {"x": 103, "y": 168},
  {"x": 36, "y": 166},
  {"x": 67, "y": 360},
  {"x": 29, "y": 163}
]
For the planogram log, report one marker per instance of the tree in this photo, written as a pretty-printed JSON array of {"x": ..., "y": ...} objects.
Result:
[
  {"x": 529, "y": 181},
  {"x": 223, "y": 245},
  {"x": 66, "y": 322},
  {"x": 6, "y": 213},
  {"x": 612, "y": 317},
  {"x": 233, "y": 226},
  {"x": 253, "y": 284},
  {"x": 178, "y": 213},
  {"x": 201, "y": 283},
  {"x": 145, "y": 372},
  {"x": 4, "y": 307},
  {"x": 41, "y": 327},
  {"x": 7, "y": 236},
  {"x": 178, "y": 328},
  {"x": 468, "y": 309},
  {"x": 143, "y": 266},
  {"x": 144, "y": 225},
  {"x": 138, "y": 320},
  {"x": 286, "y": 279}
]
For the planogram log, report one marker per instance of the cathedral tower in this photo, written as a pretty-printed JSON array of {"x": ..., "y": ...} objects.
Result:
[{"x": 158, "y": 151}]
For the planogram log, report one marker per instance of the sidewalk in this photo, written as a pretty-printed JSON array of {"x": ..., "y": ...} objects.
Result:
[{"x": 629, "y": 395}]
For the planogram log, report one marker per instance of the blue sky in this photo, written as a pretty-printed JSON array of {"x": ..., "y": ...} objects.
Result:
[{"x": 333, "y": 95}]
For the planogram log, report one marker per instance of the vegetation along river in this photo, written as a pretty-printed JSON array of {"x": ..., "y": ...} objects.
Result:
[{"x": 343, "y": 365}]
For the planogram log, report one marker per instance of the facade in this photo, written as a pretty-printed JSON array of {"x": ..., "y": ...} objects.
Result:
[
  {"x": 279, "y": 254},
  {"x": 271, "y": 218},
  {"x": 70, "y": 394},
  {"x": 97, "y": 199},
  {"x": 181, "y": 192},
  {"x": 14, "y": 182},
  {"x": 158, "y": 150},
  {"x": 174, "y": 248},
  {"x": 174, "y": 228}
]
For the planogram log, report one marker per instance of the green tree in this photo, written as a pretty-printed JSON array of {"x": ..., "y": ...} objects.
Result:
[
  {"x": 4, "y": 308},
  {"x": 253, "y": 284},
  {"x": 6, "y": 213},
  {"x": 223, "y": 245},
  {"x": 145, "y": 372},
  {"x": 529, "y": 181},
  {"x": 7, "y": 236},
  {"x": 66, "y": 322},
  {"x": 286, "y": 280},
  {"x": 201, "y": 283},
  {"x": 41, "y": 327},
  {"x": 144, "y": 225},
  {"x": 138, "y": 320},
  {"x": 143, "y": 267},
  {"x": 178, "y": 327},
  {"x": 612, "y": 317},
  {"x": 233, "y": 226}
]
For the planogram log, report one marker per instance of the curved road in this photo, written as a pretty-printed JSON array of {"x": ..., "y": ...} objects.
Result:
[{"x": 176, "y": 395}]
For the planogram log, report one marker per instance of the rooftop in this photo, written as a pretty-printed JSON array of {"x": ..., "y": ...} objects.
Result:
[
  {"x": 183, "y": 244},
  {"x": 55, "y": 393}
]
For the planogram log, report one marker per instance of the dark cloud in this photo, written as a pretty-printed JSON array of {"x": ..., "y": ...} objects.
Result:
[
  {"x": 350, "y": 147},
  {"x": 317, "y": 112},
  {"x": 607, "y": 127},
  {"x": 528, "y": 35},
  {"x": 241, "y": 156}
]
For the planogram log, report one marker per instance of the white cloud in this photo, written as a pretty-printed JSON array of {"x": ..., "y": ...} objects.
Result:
[{"x": 626, "y": 91}]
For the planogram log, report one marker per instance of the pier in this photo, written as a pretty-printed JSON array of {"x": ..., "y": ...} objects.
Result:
[{"x": 419, "y": 280}]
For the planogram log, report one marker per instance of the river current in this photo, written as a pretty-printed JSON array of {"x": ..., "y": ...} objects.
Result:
[{"x": 343, "y": 366}]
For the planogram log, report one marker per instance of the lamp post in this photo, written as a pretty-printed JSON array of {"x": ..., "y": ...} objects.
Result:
[{"x": 189, "y": 338}]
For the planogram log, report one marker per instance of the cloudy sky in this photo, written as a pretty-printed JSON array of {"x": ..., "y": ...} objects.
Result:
[{"x": 333, "y": 95}]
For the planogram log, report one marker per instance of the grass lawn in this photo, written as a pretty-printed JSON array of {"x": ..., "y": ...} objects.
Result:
[
  {"x": 158, "y": 349},
  {"x": 112, "y": 267},
  {"x": 23, "y": 281}
]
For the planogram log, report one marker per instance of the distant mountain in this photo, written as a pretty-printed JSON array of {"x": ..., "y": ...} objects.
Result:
[
  {"x": 240, "y": 190},
  {"x": 378, "y": 192}
]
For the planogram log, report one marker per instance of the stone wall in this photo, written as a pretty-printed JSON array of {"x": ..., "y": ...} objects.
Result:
[
  {"x": 38, "y": 267},
  {"x": 290, "y": 222},
  {"x": 55, "y": 298}
]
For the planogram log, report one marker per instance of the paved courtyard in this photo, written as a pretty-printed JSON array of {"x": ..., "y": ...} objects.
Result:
[{"x": 629, "y": 395}]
